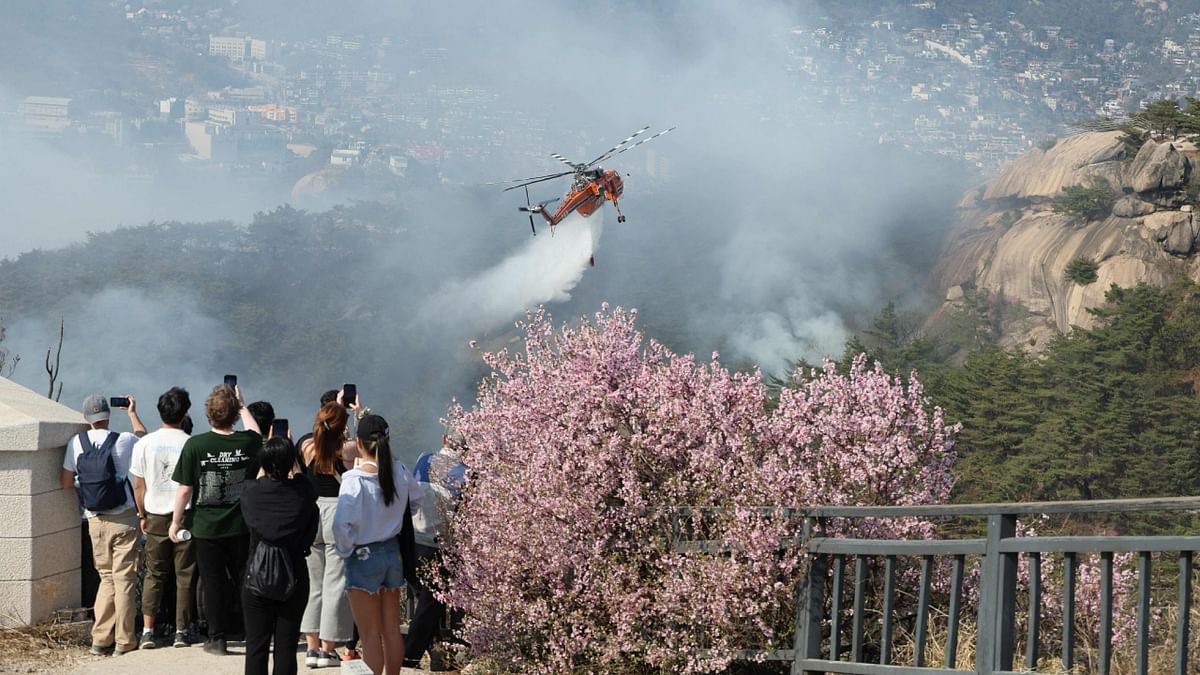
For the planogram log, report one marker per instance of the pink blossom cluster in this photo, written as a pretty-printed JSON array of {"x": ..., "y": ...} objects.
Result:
[
  {"x": 584, "y": 446},
  {"x": 1088, "y": 578}
]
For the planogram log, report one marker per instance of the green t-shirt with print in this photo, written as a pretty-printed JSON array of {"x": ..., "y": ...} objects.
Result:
[{"x": 217, "y": 467}]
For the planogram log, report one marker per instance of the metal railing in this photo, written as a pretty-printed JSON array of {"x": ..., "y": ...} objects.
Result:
[{"x": 822, "y": 619}]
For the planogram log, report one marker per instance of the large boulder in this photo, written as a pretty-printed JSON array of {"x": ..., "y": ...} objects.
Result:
[
  {"x": 1173, "y": 230},
  {"x": 1130, "y": 206},
  {"x": 1158, "y": 167}
]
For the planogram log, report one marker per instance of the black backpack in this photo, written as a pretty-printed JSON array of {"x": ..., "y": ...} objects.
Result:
[
  {"x": 269, "y": 572},
  {"x": 99, "y": 489}
]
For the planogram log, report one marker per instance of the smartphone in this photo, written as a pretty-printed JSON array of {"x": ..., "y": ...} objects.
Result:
[
  {"x": 279, "y": 428},
  {"x": 231, "y": 380},
  {"x": 118, "y": 402},
  {"x": 349, "y": 393}
]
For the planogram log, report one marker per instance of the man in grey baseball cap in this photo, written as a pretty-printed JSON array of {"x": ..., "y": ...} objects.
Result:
[
  {"x": 111, "y": 524},
  {"x": 95, "y": 409}
]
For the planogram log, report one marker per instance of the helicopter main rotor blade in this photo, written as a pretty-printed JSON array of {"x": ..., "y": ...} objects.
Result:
[
  {"x": 522, "y": 180},
  {"x": 539, "y": 180},
  {"x": 564, "y": 160},
  {"x": 609, "y": 151},
  {"x": 645, "y": 140}
]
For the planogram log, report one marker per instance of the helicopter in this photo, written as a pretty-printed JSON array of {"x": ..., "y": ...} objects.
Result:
[{"x": 591, "y": 186}]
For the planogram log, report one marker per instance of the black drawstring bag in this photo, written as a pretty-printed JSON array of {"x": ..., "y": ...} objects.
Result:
[{"x": 269, "y": 572}]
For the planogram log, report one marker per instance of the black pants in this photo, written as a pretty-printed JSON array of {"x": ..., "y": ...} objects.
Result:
[
  {"x": 426, "y": 624},
  {"x": 267, "y": 619},
  {"x": 222, "y": 564}
]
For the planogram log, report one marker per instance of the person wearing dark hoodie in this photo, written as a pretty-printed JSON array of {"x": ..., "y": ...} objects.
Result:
[{"x": 280, "y": 509}]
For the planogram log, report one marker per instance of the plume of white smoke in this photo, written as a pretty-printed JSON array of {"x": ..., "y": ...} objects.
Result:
[
  {"x": 128, "y": 341},
  {"x": 545, "y": 270}
]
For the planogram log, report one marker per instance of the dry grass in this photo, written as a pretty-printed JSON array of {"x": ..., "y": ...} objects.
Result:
[
  {"x": 50, "y": 647},
  {"x": 1161, "y": 653}
]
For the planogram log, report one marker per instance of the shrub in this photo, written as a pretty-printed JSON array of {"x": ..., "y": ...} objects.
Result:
[
  {"x": 580, "y": 448},
  {"x": 1081, "y": 271},
  {"x": 1087, "y": 203}
]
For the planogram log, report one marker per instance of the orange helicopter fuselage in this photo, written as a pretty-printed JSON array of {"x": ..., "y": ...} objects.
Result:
[{"x": 587, "y": 195}]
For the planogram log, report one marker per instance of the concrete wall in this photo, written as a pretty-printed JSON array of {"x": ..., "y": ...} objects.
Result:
[{"x": 39, "y": 521}]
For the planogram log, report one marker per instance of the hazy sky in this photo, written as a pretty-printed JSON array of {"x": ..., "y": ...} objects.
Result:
[{"x": 760, "y": 236}]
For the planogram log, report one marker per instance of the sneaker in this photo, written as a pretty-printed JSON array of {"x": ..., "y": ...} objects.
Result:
[
  {"x": 181, "y": 639},
  {"x": 97, "y": 650},
  {"x": 123, "y": 652},
  {"x": 311, "y": 657},
  {"x": 147, "y": 641},
  {"x": 216, "y": 647},
  {"x": 326, "y": 659}
]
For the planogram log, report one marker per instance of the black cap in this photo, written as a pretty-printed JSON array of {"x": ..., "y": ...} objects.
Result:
[{"x": 372, "y": 425}]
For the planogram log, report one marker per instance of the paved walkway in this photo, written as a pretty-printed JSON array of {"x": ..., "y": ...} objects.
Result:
[{"x": 186, "y": 661}]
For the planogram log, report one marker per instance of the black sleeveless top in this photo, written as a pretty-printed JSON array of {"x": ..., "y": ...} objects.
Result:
[{"x": 326, "y": 485}]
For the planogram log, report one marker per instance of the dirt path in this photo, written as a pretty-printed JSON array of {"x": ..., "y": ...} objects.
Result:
[{"x": 184, "y": 661}]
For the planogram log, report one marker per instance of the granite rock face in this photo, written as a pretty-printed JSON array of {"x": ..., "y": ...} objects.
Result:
[{"x": 1009, "y": 240}]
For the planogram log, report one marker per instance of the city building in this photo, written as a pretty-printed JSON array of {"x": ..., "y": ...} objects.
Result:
[
  {"x": 226, "y": 115},
  {"x": 273, "y": 112},
  {"x": 211, "y": 141},
  {"x": 45, "y": 113},
  {"x": 232, "y": 48},
  {"x": 260, "y": 50},
  {"x": 172, "y": 108},
  {"x": 344, "y": 157}
]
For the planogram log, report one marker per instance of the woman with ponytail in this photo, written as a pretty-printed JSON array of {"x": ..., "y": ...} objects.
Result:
[
  {"x": 280, "y": 509},
  {"x": 369, "y": 518},
  {"x": 327, "y": 620}
]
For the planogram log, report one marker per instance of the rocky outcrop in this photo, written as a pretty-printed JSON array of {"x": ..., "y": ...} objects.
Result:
[
  {"x": 1010, "y": 241},
  {"x": 1076, "y": 160},
  {"x": 1173, "y": 230},
  {"x": 1130, "y": 206},
  {"x": 1158, "y": 167}
]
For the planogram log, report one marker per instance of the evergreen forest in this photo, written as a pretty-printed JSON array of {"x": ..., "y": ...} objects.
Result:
[{"x": 1104, "y": 412}]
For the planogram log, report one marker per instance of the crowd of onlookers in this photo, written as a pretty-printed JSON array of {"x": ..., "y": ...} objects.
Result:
[{"x": 264, "y": 539}]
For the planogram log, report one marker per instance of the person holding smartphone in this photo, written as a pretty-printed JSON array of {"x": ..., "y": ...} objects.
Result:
[
  {"x": 327, "y": 620},
  {"x": 212, "y": 472},
  {"x": 110, "y": 517},
  {"x": 371, "y": 508}
]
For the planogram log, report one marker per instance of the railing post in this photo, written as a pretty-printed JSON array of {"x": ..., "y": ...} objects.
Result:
[
  {"x": 1185, "y": 611},
  {"x": 997, "y": 602},
  {"x": 810, "y": 606}
]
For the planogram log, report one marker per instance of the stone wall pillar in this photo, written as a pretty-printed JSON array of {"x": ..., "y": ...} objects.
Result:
[{"x": 39, "y": 521}]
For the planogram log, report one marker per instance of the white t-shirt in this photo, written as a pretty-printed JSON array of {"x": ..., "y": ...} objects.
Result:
[
  {"x": 122, "y": 454},
  {"x": 154, "y": 458}
]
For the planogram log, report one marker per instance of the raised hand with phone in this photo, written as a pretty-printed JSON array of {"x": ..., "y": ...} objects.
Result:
[
  {"x": 129, "y": 404},
  {"x": 348, "y": 398}
]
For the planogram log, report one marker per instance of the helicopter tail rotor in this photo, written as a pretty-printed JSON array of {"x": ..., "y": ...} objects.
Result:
[
  {"x": 529, "y": 209},
  {"x": 532, "y": 208}
]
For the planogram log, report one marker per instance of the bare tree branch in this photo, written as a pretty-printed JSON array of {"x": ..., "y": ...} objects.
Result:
[{"x": 52, "y": 369}]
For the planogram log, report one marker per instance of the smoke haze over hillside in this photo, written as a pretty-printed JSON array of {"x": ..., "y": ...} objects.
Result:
[{"x": 752, "y": 229}]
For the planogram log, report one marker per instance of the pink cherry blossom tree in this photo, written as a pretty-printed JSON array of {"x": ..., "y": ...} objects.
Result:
[{"x": 584, "y": 446}]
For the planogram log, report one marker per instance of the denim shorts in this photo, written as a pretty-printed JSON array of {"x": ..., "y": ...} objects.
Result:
[{"x": 379, "y": 568}]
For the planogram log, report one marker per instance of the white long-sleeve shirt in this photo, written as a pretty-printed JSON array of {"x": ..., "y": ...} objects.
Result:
[{"x": 361, "y": 516}]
